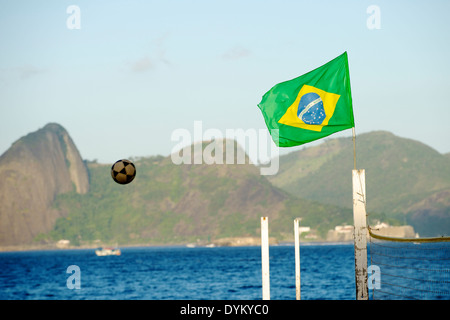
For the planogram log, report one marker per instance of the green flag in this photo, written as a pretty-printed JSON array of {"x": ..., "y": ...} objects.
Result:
[{"x": 310, "y": 107}]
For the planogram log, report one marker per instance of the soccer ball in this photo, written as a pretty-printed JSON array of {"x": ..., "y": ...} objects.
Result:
[{"x": 123, "y": 171}]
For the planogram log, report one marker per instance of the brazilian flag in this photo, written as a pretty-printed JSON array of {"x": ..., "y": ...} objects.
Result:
[{"x": 310, "y": 107}]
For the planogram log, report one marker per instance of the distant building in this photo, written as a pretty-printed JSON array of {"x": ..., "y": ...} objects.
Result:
[
  {"x": 343, "y": 229},
  {"x": 380, "y": 225},
  {"x": 62, "y": 244},
  {"x": 303, "y": 230},
  {"x": 340, "y": 233}
]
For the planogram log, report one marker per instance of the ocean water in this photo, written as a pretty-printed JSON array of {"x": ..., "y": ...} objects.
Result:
[{"x": 175, "y": 273}]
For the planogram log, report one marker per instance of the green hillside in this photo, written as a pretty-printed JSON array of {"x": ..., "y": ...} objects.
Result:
[
  {"x": 405, "y": 179},
  {"x": 171, "y": 204},
  {"x": 407, "y": 182}
]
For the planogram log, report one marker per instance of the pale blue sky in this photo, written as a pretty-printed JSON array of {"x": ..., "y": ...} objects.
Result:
[{"x": 137, "y": 70}]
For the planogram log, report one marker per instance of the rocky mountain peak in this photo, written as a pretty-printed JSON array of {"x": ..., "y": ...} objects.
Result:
[{"x": 35, "y": 169}]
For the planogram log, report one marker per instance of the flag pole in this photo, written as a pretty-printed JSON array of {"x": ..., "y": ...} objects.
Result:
[
  {"x": 360, "y": 233},
  {"x": 354, "y": 148}
]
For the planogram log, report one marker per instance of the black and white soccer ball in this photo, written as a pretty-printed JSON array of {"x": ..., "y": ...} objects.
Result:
[{"x": 123, "y": 171}]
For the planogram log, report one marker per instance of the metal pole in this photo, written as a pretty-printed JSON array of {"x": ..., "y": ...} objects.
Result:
[
  {"x": 265, "y": 258},
  {"x": 354, "y": 148},
  {"x": 297, "y": 259},
  {"x": 360, "y": 233}
]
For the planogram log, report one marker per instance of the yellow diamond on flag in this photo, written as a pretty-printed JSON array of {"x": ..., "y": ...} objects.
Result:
[{"x": 311, "y": 110}]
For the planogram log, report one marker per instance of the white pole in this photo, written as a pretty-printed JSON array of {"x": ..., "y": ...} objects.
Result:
[
  {"x": 297, "y": 259},
  {"x": 360, "y": 233},
  {"x": 265, "y": 258}
]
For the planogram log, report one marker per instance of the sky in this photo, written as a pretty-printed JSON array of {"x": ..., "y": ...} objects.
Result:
[{"x": 122, "y": 76}]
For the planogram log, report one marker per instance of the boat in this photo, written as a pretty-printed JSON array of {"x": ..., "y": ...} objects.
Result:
[{"x": 107, "y": 252}]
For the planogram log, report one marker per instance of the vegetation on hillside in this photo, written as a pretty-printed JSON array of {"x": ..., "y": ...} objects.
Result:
[
  {"x": 170, "y": 204},
  {"x": 406, "y": 182},
  {"x": 405, "y": 179}
]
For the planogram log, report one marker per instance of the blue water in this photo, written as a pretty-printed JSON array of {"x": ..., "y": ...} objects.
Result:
[{"x": 222, "y": 273}]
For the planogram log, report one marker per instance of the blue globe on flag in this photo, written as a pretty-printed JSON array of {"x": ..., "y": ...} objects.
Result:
[{"x": 310, "y": 109}]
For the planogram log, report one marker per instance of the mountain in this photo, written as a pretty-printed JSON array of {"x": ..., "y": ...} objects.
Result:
[
  {"x": 405, "y": 179},
  {"x": 34, "y": 170},
  {"x": 49, "y": 193},
  {"x": 173, "y": 204}
]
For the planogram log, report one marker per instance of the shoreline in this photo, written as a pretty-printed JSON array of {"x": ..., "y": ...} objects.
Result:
[{"x": 23, "y": 248}]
